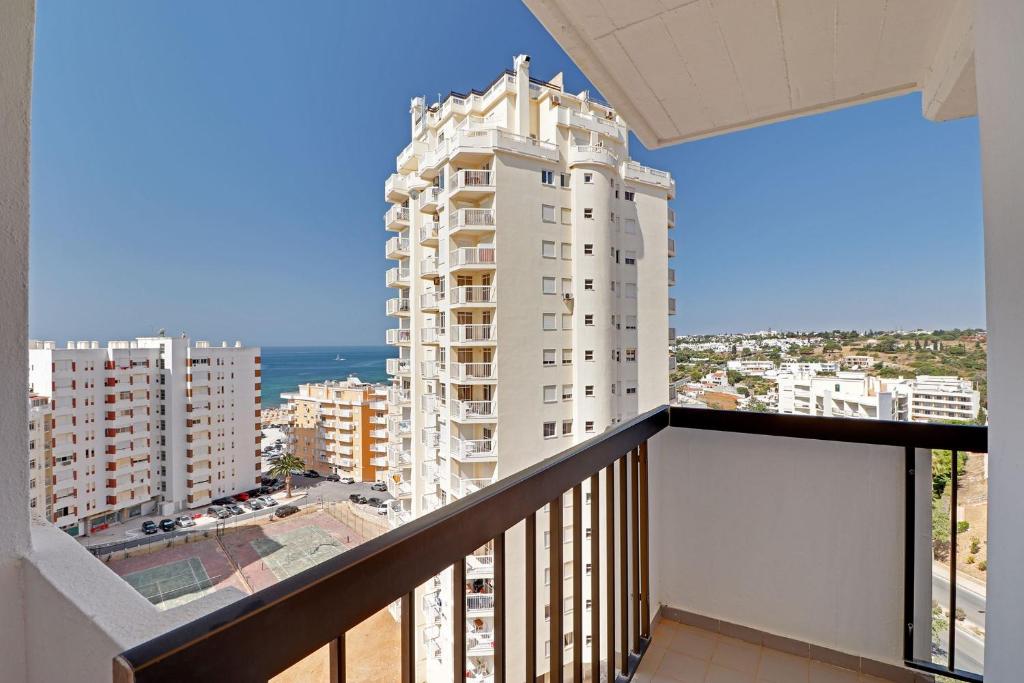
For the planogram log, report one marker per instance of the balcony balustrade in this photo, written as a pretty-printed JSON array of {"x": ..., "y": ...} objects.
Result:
[
  {"x": 399, "y": 335},
  {"x": 465, "y": 411},
  {"x": 429, "y": 266},
  {"x": 430, "y": 198},
  {"x": 396, "y": 248},
  {"x": 473, "y": 449},
  {"x": 428, "y": 232},
  {"x": 397, "y": 277},
  {"x": 671, "y": 217},
  {"x": 471, "y": 258},
  {"x": 471, "y": 222},
  {"x": 397, "y": 306},
  {"x": 473, "y": 334},
  {"x": 396, "y": 188},
  {"x": 468, "y": 183},
  {"x": 398, "y": 366},
  {"x": 430, "y": 301},
  {"x": 467, "y": 373},
  {"x": 472, "y": 296},
  {"x": 398, "y": 396},
  {"x": 397, "y": 218},
  {"x": 592, "y": 154},
  {"x": 671, "y": 247}
]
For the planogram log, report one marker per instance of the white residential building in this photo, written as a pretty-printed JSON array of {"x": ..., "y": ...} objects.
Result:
[
  {"x": 751, "y": 367},
  {"x": 858, "y": 362},
  {"x": 531, "y": 299},
  {"x": 848, "y": 394},
  {"x": 151, "y": 424},
  {"x": 40, "y": 458},
  {"x": 808, "y": 368},
  {"x": 935, "y": 398}
]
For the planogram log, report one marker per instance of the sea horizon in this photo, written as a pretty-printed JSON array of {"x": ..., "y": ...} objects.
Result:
[{"x": 284, "y": 368}]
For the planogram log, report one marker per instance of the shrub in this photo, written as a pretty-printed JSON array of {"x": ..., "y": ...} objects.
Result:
[
  {"x": 970, "y": 559},
  {"x": 975, "y": 545},
  {"x": 983, "y": 565},
  {"x": 960, "y": 614},
  {"x": 963, "y": 526}
]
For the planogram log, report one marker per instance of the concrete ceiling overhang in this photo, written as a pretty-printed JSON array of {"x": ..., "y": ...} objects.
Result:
[{"x": 681, "y": 70}]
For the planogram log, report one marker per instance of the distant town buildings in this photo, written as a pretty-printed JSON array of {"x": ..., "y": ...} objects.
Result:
[
  {"x": 154, "y": 424},
  {"x": 943, "y": 398},
  {"x": 341, "y": 427},
  {"x": 41, "y": 463},
  {"x": 846, "y": 394}
]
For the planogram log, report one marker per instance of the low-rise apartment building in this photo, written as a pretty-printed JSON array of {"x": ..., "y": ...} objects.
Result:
[
  {"x": 848, "y": 394},
  {"x": 751, "y": 367},
  {"x": 808, "y": 368},
  {"x": 152, "y": 424},
  {"x": 341, "y": 427},
  {"x": 858, "y": 362},
  {"x": 934, "y": 398}
]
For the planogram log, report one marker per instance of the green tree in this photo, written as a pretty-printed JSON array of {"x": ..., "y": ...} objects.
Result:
[
  {"x": 756, "y": 406},
  {"x": 942, "y": 470},
  {"x": 283, "y": 467}
]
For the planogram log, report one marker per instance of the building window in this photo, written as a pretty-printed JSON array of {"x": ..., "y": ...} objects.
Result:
[
  {"x": 630, "y": 258},
  {"x": 549, "y": 357},
  {"x": 548, "y": 285},
  {"x": 588, "y": 319},
  {"x": 566, "y": 427},
  {"x": 630, "y": 390},
  {"x": 589, "y": 426},
  {"x": 566, "y": 251},
  {"x": 549, "y": 430},
  {"x": 567, "y": 321},
  {"x": 547, "y": 177},
  {"x": 566, "y": 357},
  {"x": 566, "y": 216},
  {"x": 547, "y": 249},
  {"x": 630, "y": 290},
  {"x": 550, "y": 393},
  {"x": 588, "y": 354},
  {"x": 547, "y": 213},
  {"x": 630, "y": 322},
  {"x": 567, "y": 285},
  {"x": 588, "y": 249},
  {"x": 588, "y": 177},
  {"x": 588, "y": 284},
  {"x": 630, "y": 226},
  {"x": 550, "y": 322},
  {"x": 588, "y": 390},
  {"x": 566, "y": 392},
  {"x": 630, "y": 355},
  {"x": 630, "y": 195},
  {"x": 588, "y": 213}
]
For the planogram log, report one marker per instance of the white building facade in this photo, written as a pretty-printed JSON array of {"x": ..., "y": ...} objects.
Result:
[
  {"x": 148, "y": 425},
  {"x": 531, "y": 301},
  {"x": 847, "y": 394},
  {"x": 936, "y": 398}
]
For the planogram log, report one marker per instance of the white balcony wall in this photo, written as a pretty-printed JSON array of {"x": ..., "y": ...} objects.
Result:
[{"x": 794, "y": 537}]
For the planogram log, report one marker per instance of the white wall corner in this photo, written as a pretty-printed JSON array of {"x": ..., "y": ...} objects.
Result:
[{"x": 947, "y": 86}]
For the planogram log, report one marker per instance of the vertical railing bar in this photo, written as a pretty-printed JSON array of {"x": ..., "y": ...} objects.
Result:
[
  {"x": 609, "y": 513},
  {"x": 623, "y": 566},
  {"x": 595, "y": 577},
  {"x": 338, "y": 645},
  {"x": 531, "y": 598},
  {"x": 577, "y": 583},
  {"x": 634, "y": 520},
  {"x": 645, "y": 550},
  {"x": 908, "y": 553},
  {"x": 459, "y": 620},
  {"x": 408, "y": 639},
  {"x": 499, "y": 608},
  {"x": 952, "y": 561},
  {"x": 555, "y": 604}
]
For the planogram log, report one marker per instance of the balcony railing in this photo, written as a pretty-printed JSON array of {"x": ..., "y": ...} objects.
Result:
[
  {"x": 473, "y": 449},
  {"x": 397, "y": 276},
  {"x": 471, "y": 220},
  {"x": 468, "y": 179},
  {"x": 428, "y": 233},
  {"x": 397, "y": 306},
  {"x": 397, "y": 217},
  {"x": 472, "y": 333},
  {"x": 471, "y": 256},
  {"x": 472, "y": 294},
  {"x": 474, "y": 410},
  {"x": 738, "y": 477},
  {"x": 468, "y": 372}
]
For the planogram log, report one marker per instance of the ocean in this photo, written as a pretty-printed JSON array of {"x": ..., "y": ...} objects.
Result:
[{"x": 284, "y": 368}]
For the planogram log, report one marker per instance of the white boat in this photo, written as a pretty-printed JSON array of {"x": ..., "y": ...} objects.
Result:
[{"x": 338, "y": 357}]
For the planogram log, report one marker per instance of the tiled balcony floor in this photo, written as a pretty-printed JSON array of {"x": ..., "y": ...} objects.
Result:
[{"x": 686, "y": 654}]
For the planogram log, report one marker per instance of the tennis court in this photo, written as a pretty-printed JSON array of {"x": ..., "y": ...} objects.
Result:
[
  {"x": 173, "y": 584},
  {"x": 293, "y": 551}
]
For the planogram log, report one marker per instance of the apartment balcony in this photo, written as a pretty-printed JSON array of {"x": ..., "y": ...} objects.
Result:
[
  {"x": 408, "y": 158},
  {"x": 650, "y": 176},
  {"x": 428, "y": 369},
  {"x": 379, "y": 433},
  {"x": 473, "y": 450},
  {"x": 398, "y": 457},
  {"x": 397, "y": 306},
  {"x": 473, "y": 335},
  {"x": 397, "y": 277},
  {"x": 430, "y": 301},
  {"x": 396, "y": 188},
  {"x": 398, "y": 427},
  {"x": 430, "y": 199},
  {"x": 470, "y": 259},
  {"x": 592, "y": 155},
  {"x": 398, "y": 397},
  {"x": 431, "y": 437},
  {"x": 428, "y": 232},
  {"x": 400, "y": 335},
  {"x": 471, "y": 222},
  {"x": 400, "y": 490},
  {"x": 464, "y": 486},
  {"x": 474, "y": 411},
  {"x": 473, "y": 296},
  {"x": 428, "y": 267},
  {"x": 430, "y": 335},
  {"x": 471, "y": 373},
  {"x": 671, "y": 247},
  {"x": 398, "y": 366},
  {"x": 480, "y": 566},
  {"x": 671, "y": 277},
  {"x": 597, "y": 124},
  {"x": 671, "y": 306},
  {"x": 380, "y": 462},
  {"x": 471, "y": 185},
  {"x": 345, "y": 462},
  {"x": 396, "y": 248},
  {"x": 397, "y": 218},
  {"x": 671, "y": 217},
  {"x": 379, "y": 447}
]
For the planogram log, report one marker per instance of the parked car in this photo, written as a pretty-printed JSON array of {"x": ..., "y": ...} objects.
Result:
[
  {"x": 358, "y": 499},
  {"x": 241, "y": 497},
  {"x": 254, "y": 504},
  {"x": 235, "y": 509},
  {"x": 149, "y": 527},
  {"x": 312, "y": 474},
  {"x": 167, "y": 524},
  {"x": 218, "y": 512},
  {"x": 332, "y": 477},
  {"x": 374, "y": 502},
  {"x": 185, "y": 521},
  {"x": 285, "y": 510},
  {"x": 348, "y": 480},
  {"x": 379, "y": 486},
  {"x": 268, "y": 501},
  {"x": 223, "y": 501},
  {"x": 268, "y": 481},
  {"x": 279, "y": 486}
]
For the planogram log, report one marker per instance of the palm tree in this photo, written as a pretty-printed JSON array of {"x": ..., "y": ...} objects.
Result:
[{"x": 283, "y": 467}]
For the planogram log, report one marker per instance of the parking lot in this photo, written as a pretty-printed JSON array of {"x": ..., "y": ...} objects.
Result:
[{"x": 333, "y": 491}]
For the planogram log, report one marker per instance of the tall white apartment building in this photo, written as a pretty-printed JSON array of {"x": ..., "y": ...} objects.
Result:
[
  {"x": 40, "y": 458},
  {"x": 147, "y": 425},
  {"x": 531, "y": 302},
  {"x": 847, "y": 394},
  {"x": 933, "y": 398}
]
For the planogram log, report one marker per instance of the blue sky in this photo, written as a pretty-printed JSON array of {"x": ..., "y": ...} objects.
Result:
[{"x": 219, "y": 167}]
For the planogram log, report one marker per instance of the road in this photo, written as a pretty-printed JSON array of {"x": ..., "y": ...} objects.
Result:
[{"x": 970, "y": 648}]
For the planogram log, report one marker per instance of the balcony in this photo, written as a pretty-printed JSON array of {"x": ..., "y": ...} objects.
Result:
[
  {"x": 671, "y": 306},
  {"x": 471, "y": 185},
  {"x": 473, "y": 222},
  {"x": 397, "y": 306},
  {"x": 468, "y": 373},
  {"x": 396, "y": 248},
  {"x": 651, "y": 176},
  {"x": 473, "y": 296},
  {"x": 428, "y": 369},
  {"x": 671, "y": 247},
  {"x": 397, "y": 366},
  {"x": 398, "y": 397},
  {"x": 430, "y": 335},
  {"x": 396, "y": 188},
  {"x": 592, "y": 155},
  {"x": 400, "y": 335},
  {"x": 473, "y": 334},
  {"x": 428, "y": 267},
  {"x": 671, "y": 277},
  {"x": 474, "y": 411},
  {"x": 590, "y": 122},
  {"x": 671, "y": 217},
  {"x": 430, "y": 301},
  {"x": 397, "y": 277},
  {"x": 397, "y": 218},
  {"x": 408, "y": 158},
  {"x": 469, "y": 259},
  {"x": 380, "y": 462},
  {"x": 475, "y": 450},
  {"x": 430, "y": 198},
  {"x": 839, "y": 586}
]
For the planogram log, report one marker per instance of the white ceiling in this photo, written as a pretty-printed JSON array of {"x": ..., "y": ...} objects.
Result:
[{"x": 680, "y": 70}]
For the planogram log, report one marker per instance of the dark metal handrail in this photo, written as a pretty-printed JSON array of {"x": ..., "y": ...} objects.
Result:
[{"x": 263, "y": 634}]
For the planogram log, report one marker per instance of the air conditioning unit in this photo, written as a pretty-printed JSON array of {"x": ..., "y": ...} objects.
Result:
[
  {"x": 556, "y": 100},
  {"x": 567, "y": 296}
]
